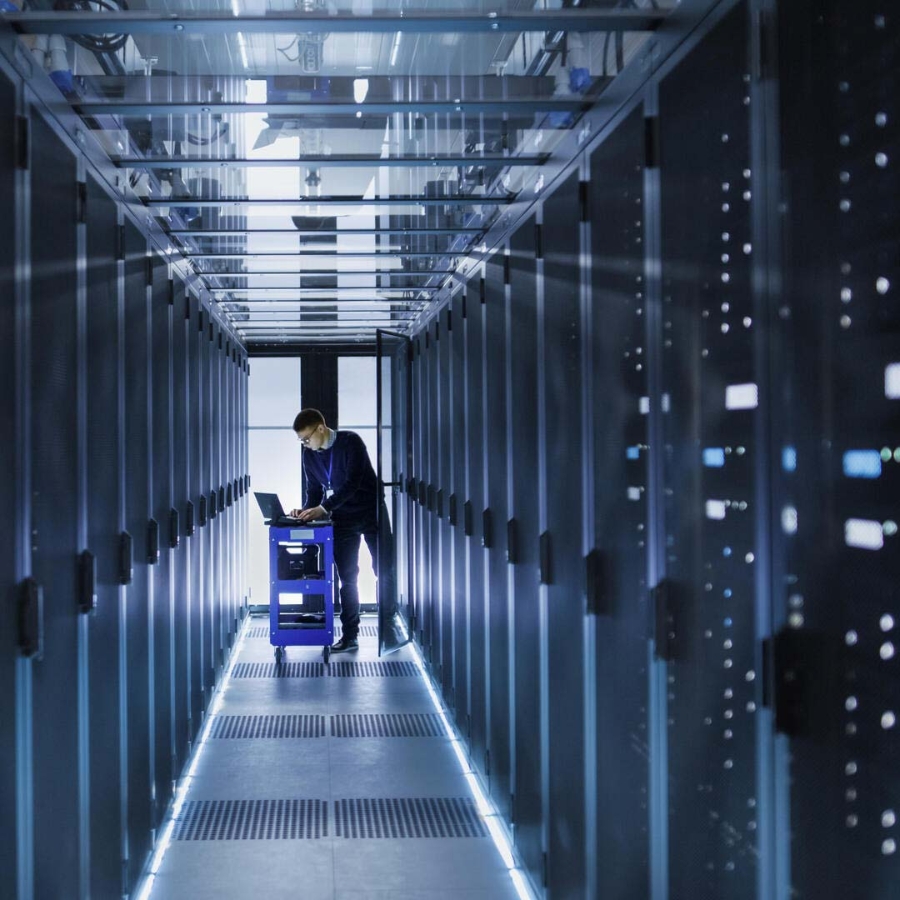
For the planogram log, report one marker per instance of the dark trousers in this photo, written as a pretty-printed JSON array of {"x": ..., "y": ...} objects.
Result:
[{"x": 346, "y": 557}]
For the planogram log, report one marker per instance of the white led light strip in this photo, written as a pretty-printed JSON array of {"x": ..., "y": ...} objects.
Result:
[{"x": 143, "y": 892}]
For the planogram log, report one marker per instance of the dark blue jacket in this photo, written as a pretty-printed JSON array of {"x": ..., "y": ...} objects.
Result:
[{"x": 352, "y": 479}]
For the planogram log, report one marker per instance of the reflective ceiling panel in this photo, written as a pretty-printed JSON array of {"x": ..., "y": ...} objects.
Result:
[{"x": 324, "y": 166}]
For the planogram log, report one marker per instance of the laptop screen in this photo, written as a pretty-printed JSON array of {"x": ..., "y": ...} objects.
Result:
[{"x": 270, "y": 505}]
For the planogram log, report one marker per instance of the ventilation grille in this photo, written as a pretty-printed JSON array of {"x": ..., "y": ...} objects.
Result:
[
  {"x": 252, "y": 820},
  {"x": 268, "y": 727},
  {"x": 394, "y": 725},
  {"x": 373, "y": 669},
  {"x": 413, "y": 817},
  {"x": 258, "y": 631},
  {"x": 364, "y": 630},
  {"x": 285, "y": 670}
]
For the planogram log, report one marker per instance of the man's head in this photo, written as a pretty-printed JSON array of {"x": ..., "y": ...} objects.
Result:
[{"x": 310, "y": 428}]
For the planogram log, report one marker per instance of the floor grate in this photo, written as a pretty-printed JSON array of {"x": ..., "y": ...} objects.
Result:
[
  {"x": 408, "y": 817},
  {"x": 364, "y": 630},
  {"x": 271, "y": 670},
  {"x": 252, "y": 820},
  {"x": 373, "y": 669},
  {"x": 268, "y": 727},
  {"x": 387, "y": 725},
  {"x": 258, "y": 631}
]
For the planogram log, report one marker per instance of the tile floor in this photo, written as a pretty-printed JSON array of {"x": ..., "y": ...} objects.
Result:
[{"x": 432, "y": 849}]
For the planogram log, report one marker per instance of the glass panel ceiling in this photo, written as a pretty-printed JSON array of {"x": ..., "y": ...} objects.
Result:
[{"x": 322, "y": 164}]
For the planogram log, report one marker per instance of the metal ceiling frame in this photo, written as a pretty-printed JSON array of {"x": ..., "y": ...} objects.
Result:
[
  {"x": 271, "y": 327},
  {"x": 316, "y": 273},
  {"x": 335, "y": 161},
  {"x": 292, "y": 22},
  {"x": 449, "y": 200},
  {"x": 501, "y": 108},
  {"x": 324, "y": 232}
]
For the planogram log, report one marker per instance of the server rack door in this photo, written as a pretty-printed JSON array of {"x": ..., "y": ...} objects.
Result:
[
  {"x": 455, "y": 514},
  {"x": 103, "y": 500},
  {"x": 54, "y": 425},
  {"x": 8, "y": 480},
  {"x": 181, "y": 587},
  {"x": 161, "y": 502},
  {"x": 212, "y": 630},
  {"x": 415, "y": 507},
  {"x": 137, "y": 515},
  {"x": 618, "y": 594},
  {"x": 228, "y": 429},
  {"x": 563, "y": 538},
  {"x": 434, "y": 583},
  {"x": 709, "y": 408},
  {"x": 198, "y": 654},
  {"x": 496, "y": 505},
  {"x": 472, "y": 503},
  {"x": 442, "y": 501},
  {"x": 218, "y": 523},
  {"x": 838, "y": 604},
  {"x": 401, "y": 473},
  {"x": 527, "y": 809}
]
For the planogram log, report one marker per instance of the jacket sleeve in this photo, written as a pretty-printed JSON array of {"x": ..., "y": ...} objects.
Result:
[
  {"x": 356, "y": 463},
  {"x": 314, "y": 487}
]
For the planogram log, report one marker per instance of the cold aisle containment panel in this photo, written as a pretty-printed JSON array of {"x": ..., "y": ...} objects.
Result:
[{"x": 630, "y": 272}]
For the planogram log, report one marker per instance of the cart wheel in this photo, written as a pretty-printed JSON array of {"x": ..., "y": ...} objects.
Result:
[
  {"x": 279, "y": 655},
  {"x": 326, "y": 654}
]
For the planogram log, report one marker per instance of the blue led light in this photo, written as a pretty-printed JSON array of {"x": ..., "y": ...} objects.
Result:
[
  {"x": 633, "y": 453},
  {"x": 714, "y": 457},
  {"x": 862, "y": 464},
  {"x": 726, "y": 592},
  {"x": 789, "y": 459}
]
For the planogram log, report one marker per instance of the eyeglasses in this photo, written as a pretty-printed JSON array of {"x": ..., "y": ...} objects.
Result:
[{"x": 305, "y": 440}]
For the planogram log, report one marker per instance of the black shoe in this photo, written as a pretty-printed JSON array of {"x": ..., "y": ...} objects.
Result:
[{"x": 345, "y": 644}]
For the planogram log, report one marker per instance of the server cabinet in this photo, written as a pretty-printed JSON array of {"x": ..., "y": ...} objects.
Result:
[
  {"x": 195, "y": 516},
  {"x": 137, "y": 524},
  {"x": 472, "y": 521},
  {"x": 710, "y": 403},
  {"x": 9, "y": 540},
  {"x": 208, "y": 498},
  {"x": 10, "y": 477},
  {"x": 416, "y": 511},
  {"x": 104, "y": 504},
  {"x": 457, "y": 488},
  {"x": 443, "y": 486},
  {"x": 180, "y": 584},
  {"x": 494, "y": 515},
  {"x": 54, "y": 425},
  {"x": 161, "y": 556},
  {"x": 522, "y": 549},
  {"x": 211, "y": 445},
  {"x": 561, "y": 556},
  {"x": 617, "y": 585},
  {"x": 837, "y": 398},
  {"x": 434, "y": 578}
]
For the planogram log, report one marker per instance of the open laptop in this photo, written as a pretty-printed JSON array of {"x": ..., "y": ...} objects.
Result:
[{"x": 274, "y": 512}]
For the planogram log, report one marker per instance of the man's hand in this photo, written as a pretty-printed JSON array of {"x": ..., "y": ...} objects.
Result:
[{"x": 309, "y": 515}]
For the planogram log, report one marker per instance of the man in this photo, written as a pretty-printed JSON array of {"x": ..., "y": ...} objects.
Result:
[{"x": 341, "y": 482}]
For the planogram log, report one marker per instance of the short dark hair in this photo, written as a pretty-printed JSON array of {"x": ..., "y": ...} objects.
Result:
[{"x": 308, "y": 418}]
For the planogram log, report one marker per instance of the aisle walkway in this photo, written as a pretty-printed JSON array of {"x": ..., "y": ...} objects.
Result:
[{"x": 329, "y": 784}]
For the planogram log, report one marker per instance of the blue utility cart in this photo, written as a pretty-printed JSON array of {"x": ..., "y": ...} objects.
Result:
[{"x": 301, "y": 587}]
